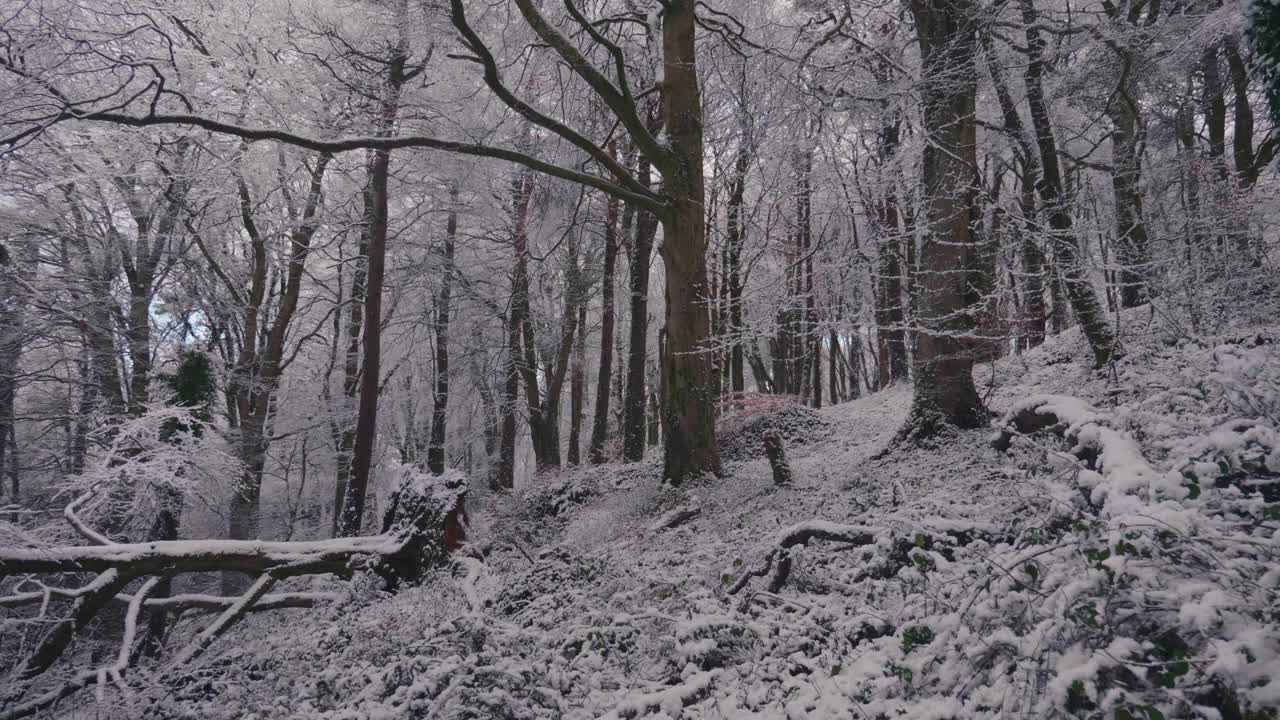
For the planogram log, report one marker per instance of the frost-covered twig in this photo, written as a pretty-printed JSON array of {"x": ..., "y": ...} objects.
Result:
[
  {"x": 94, "y": 597},
  {"x": 114, "y": 672},
  {"x": 70, "y": 512}
]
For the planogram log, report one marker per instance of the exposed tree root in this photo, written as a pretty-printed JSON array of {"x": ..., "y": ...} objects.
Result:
[
  {"x": 896, "y": 551},
  {"x": 779, "y": 558}
]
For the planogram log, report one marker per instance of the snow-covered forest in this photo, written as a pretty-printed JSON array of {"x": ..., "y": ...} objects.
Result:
[{"x": 373, "y": 359}]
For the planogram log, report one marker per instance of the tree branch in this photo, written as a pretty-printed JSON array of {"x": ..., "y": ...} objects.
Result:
[
  {"x": 648, "y": 200},
  {"x": 494, "y": 81}
]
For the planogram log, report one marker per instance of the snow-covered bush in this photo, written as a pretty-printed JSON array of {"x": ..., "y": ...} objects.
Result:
[{"x": 146, "y": 461}]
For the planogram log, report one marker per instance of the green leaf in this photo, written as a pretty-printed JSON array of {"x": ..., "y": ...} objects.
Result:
[
  {"x": 915, "y": 636},
  {"x": 1086, "y": 615}
]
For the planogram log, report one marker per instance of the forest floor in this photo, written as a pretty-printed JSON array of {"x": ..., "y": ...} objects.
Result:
[{"x": 972, "y": 582}]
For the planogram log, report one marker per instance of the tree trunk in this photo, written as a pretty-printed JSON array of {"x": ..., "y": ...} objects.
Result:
[
  {"x": 600, "y": 420},
  {"x": 504, "y": 477},
  {"x": 371, "y": 365},
  {"x": 517, "y": 321},
  {"x": 440, "y": 397},
  {"x": 688, "y": 406},
  {"x": 1215, "y": 111},
  {"x": 1066, "y": 246},
  {"x": 759, "y": 373},
  {"x": 352, "y": 516},
  {"x": 138, "y": 339},
  {"x": 1249, "y": 161},
  {"x": 102, "y": 366},
  {"x": 351, "y": 371},
  {"x": 856, "y": 369},
  {"x": 735, "y": 232},
  {"x": 633, "y": 427},
  {"x": 1131, "y": 229},
  {"x": 810, "y": 337},
  {"x": 10, "y": 351},
  {"x": 890, "y": 318},
  {"x": 256, "y": 374},
  {"x": 1032, "y": 265},
  {"x": 835, "y": 367},
  {"x": 578, "y": 387},
  {"x": 944, "y": 391}
]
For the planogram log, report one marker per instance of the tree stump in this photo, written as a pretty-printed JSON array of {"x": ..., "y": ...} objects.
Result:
[{"x": 777, "y": 454}]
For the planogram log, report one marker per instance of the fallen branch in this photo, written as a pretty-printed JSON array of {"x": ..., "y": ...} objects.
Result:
[
  {"x": 225, "y": 621},
  {"x": 675, "y": 518},
  {"x": 183, "y": 556},
  {"x": 176, "y": 603},
  {"x": 412, "y": 542},
  {"x": 894, "y": 548},
  {"x": 779, "y": 558},
  {"x": 114, "y": 672}
]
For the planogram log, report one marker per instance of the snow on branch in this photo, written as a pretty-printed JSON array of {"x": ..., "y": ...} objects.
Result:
[
  {"x": 669, "y": 701},
  {"x": 1115, "y": 477},
  {"x": 412, "y": 542}
]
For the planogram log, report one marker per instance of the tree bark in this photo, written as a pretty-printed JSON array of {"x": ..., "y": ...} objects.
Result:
[
  {"x": 517, "y": 319},
  {"x": 945, "y": 395},
  {"x": 890, "y": 318},
  {"x": 1066, "y": 246},
  {"x": 688, "y": 406},
  {"x": 10, "y": 352},
  {"x": 346, "y": 438},
  {"x": 600, "y": 420},
  {"x": 1032, "y": 265},
  {"x": 1249, "y": 161},
  {"x": 1215, "y": 110},
  {"x": 1131, "y": 228},
  {"x": 371, "y": 364},
  {"x": 578, "y": 387},
  {"x": 440, "y": 396},
  {"x": 633, "y": 427},
  {"x": 735, "y": 237}
]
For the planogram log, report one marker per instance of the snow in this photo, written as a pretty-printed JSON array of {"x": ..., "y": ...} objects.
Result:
[{"x": 1091, "y": 573}]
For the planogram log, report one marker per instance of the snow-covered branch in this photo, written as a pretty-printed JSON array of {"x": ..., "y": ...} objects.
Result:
[{"x": 412, "y": 542}]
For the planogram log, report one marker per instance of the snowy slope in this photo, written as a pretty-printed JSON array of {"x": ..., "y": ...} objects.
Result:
[{"x": 1034, "y": 583}]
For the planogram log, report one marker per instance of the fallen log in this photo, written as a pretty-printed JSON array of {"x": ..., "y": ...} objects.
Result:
[{"x": 413, "y": 541}]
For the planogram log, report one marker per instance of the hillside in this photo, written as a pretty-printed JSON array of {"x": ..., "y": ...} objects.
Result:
[{"x": 1135, "y": 578}]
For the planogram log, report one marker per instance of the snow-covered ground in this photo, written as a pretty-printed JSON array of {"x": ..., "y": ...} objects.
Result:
[{"x": 1130, "y": 571}]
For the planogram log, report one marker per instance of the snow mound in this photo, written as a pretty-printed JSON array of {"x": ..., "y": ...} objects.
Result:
[{"x": 795, "y": 424}]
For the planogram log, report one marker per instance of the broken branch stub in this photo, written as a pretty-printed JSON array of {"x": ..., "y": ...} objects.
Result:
[{"x": 777, "y": 454}]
